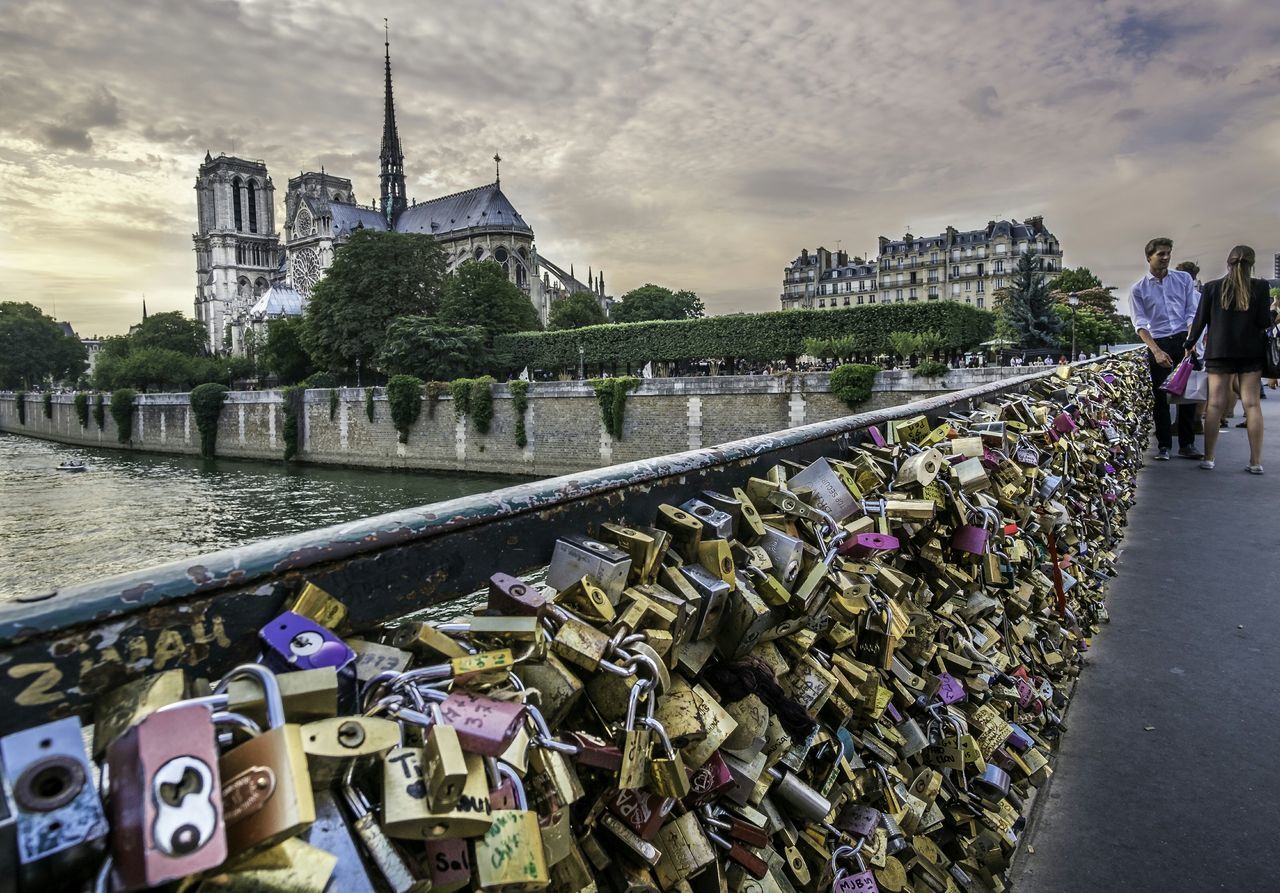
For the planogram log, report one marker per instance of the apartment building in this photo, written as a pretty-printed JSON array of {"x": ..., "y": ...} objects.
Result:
[{"x": 953, "y": 265}]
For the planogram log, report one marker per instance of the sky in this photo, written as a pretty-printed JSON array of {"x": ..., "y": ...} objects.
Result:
[{"x": 693, "y": 145}]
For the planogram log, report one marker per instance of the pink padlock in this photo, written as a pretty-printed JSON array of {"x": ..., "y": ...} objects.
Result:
[
  {"x": 950, "y": 689},
  {"x": 1063, "y": 423},
  {"x": 708, "y": 781},
  {"x": 485, "y": 726},
  {"x": 864, "y": 545}
]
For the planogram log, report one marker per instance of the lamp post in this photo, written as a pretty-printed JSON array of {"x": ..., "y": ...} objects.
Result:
[
  {"x": 582, "y": 353},
  {"x": 1073, "y": 300}
]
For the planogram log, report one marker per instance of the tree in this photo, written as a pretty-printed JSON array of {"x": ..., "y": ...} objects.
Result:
[
  {"x": 479, "y": 293},
  {"x": 1093, "y": 329},
  {"x": 375, "y": 278},
  {"x": 904, "y": 344},
  {"x": 1028, "y": 307},
  {"x": 34, "y": 347},
  {"x": 575, "y": 311},
  {"x": 1077, "y": 279},
  {"x": 421, "y": 347},
  {"x": 283, "y": 354},
  {"x": 171, "y": 331},
  {"x": 651, "y": 301}
]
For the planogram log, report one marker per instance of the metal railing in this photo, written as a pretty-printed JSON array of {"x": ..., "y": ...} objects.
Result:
[{"x": 61, "y": 649}]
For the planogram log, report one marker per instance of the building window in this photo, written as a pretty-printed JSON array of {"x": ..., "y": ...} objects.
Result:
[
  {"x": 1002, "y": 249},
  {"x": 899, "y": 295},
  {"x": 999, "y": 283},
  {"x": 253, "y": 206},
  {"x": 979, "y": 303},
  {"x": 822, "y": 302},
  {"x": 235, "y": 203},
  {"x": 968, "y": 286},
  {"x": 933, "y": 293},
  {"x": 859, "y": 299},
  {"x": 846, "y": 300},
  {"x": 955, "y": 289},
  {"x": 913, "y": 294},
  {"x": 872, "y": 298},
  {"x": 999, "y": 266},
  {"x": 955, "y": 270},
  {"x": 981, "y": 286}
]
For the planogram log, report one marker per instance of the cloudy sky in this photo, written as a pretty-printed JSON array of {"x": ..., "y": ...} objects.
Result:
[{"x": 695, "y": 145}]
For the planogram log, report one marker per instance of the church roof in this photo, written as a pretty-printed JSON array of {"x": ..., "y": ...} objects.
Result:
[
  {"x": 348, "y": 218},
  {"x": 279, "y": 300},
  {"x": 483, "y": 206}
]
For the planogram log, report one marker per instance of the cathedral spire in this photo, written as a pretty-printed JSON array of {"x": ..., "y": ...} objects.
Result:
[{"x": 392, "y": 175}]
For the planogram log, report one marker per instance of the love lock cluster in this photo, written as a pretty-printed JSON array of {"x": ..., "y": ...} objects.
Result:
[{"x": 847, "y": 675}]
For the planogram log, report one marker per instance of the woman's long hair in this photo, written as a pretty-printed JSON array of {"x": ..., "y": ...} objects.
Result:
[{"x": 1235, "y": 290}]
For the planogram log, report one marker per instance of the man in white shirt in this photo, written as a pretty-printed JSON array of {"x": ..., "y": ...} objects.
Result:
[{"x": 1162, "y": 305}]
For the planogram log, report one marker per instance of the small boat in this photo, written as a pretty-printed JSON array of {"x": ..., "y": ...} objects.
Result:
[{"x": 73, "y": 466}]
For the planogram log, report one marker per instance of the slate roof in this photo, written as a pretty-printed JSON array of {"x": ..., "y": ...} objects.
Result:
[
  {"x": 348, "y": 218},
  {"x": 277, "y": 301},
  {"x": 483, "y": 206}
]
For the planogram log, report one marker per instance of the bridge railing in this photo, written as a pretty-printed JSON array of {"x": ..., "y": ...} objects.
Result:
[{"x": 59, "y": 649}]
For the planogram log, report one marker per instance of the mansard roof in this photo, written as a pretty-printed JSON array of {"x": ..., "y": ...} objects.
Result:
[
  {"x": 277, "y": 301},
  {"x": 482, "y": 207}
]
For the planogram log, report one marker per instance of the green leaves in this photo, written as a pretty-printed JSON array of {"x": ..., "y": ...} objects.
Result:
[
  {"x": 82, "y": 409},
  {"x": 404, "y": 398},
  {"x": 753, "y": 336},
  {"x": 520, "y": 405},
  {"x": 1028, "y": 307},
  {"x": 481, "y": 294},
  {"x": 574, "y": 311},
  {"x": 206, "y": 406},
  {"x": 421, "y": 346},
  {"x": 612, "y": 394},
  {"x": 283, "y": 354},
  {"x": 473, "y": 397},
  {"x": 122, "y": 412},
  {"x": 651, "y": 301},
  {"x": 852, "y": 382},
  {"x": 33, "y": 347},
  {"x": 375, "y": 278}
]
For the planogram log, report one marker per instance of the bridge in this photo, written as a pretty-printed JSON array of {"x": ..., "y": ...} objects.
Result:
[{"x": 1163, "y": 777}]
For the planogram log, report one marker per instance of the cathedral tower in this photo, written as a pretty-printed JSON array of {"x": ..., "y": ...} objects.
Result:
[
  {"x": 236, "y": 245},
  {"x": 392, "y": 175}
]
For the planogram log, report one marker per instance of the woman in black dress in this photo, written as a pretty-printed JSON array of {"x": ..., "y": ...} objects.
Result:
[{"x": 1237, "y": 310}]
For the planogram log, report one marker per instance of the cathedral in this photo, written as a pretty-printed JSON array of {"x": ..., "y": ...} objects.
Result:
[{"x": 246, "y": 274}]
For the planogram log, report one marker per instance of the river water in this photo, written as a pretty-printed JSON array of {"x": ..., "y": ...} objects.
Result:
[{"x": 133, "y": 510}]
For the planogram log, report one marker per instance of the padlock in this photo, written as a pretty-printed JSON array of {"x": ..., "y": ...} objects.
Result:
[
  {"x": 332, "y": 833},
  {"x": 753, "y": 864},
  {"x": 331, "y": 744},
  {"x": 639, "y": 847},
  {"x": 716, "y": 524},
  {"x": 406, "y": 814},
  {"x": 510, "y": 856},
  {"x": 266, "y": 791},
  {"x": 8, "y": 843},
  {"x": 667, "y": 774},
  {"x": 860, "y": 880},
  {"x": 316, "y": 604},
  {"x": 992, "y": 785},
  {"x": 801, "y": 799},
  {"x": 576, "y": 556},
  {"x": 858, "y": 820},
  {"x": 294, "y": 642},
  {"x": 708, "y": 781},
  {"x": 390, "y": 864},
  {"x": 862, "y": 546},
  {"x": 449, "y": 863},
  {"x": 637, "y": 739},
  {"x": 785, "y": 552},
  {"x": 510, "y": 596},
  {"x": 686, "y": 850},
  {"x": 166, "y": 798},
  {"x": 712, "y": 593},
  {"x": 640, "y": 810},
  {"x": 58, "y": 818},
  {"x": 485, "y": 725},
  {"x": 118, "y": 708}
]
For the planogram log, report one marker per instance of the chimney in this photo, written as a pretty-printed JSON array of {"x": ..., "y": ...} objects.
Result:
[
  {"x": 884, "y": 243},
  {"x": 1036, "y": 224},
  {"x": 842, "y": 258}
]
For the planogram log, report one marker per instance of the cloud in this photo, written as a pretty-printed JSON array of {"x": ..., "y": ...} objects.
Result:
[
  {"x": 698, "y": 146},
  {"x": 982, "y": 102}
]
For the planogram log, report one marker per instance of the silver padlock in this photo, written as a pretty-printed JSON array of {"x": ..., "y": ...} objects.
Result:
[
  {"x": 716, "y": 525},
  {"x": 577, "y": 556},
  {"x": 61, "y": 827},
  {"x": 786, "y": 553}
]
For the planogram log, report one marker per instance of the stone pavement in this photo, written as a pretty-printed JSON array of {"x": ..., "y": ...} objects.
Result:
[{"x": 1169, "y": 775}]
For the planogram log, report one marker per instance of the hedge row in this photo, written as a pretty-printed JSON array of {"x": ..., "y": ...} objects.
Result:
[{"x": 748, "y": 336}]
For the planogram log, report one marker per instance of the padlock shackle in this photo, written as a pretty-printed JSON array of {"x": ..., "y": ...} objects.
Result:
[
  {"x": 237, "y": 720},
  {"x": 507, "y": 772},
  {"x": 270, "y": 690}
]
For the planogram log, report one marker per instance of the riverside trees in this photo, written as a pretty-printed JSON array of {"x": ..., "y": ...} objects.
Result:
[{"x": 33, "y": 347}]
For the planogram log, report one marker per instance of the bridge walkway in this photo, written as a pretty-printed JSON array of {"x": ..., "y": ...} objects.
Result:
[{"x": 1169, "y": 777}]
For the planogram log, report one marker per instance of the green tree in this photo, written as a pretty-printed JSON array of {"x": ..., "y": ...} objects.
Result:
[
  {"x": 34, "y": 347},
  {"x": 575, "y": 311},
  {"x": 171, "y": 331},
  {"x": 421, "y": 347},
  {"x": 1028, "y": 308},
  {"x": 375, "y": 278},
  {"x": 1093, "y": 329},
  {"x": 651, "y": 301},
  {"x": 904, "y": 344},
  {"x": 1074, "y": 279},
  {"x": 479, "y": 293},
  {"x": 283, "y": 354}
]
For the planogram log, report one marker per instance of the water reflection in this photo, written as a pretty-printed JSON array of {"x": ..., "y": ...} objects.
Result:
[{"x": 129, "y": 511}]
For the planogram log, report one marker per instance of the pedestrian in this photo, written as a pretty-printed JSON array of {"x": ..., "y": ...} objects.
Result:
[
  {"x": 1237, "y": 310},
  {"x": 1162, "y": 305}
]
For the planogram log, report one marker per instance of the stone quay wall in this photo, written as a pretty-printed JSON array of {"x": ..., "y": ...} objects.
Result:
[{"x": 563, "y": 423}]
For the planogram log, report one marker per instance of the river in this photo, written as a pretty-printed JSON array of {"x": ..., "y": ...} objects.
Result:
[{"x": 133, "y": 510}]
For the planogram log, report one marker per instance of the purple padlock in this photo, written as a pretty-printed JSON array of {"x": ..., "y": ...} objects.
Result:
[
  {"x": 950, "y": 689},
  {"x": 1018, "y": 739},
  {"x": 855, "y": 882},
  {"x": 294, "y": 642},
  {"x": 1063, "y": 423},
  {"x": 708, "y": 781},
  {"x": 858, "y": 820},
  {"x": 971, "y": 539},
  {"x": 485, "y": 726},
  {"x": 876, "y": 437},
  {"x": 864, "y": 545}
]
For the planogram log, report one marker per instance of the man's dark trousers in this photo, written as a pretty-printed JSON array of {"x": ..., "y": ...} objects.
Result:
[{"x": 1171, "y": 345}]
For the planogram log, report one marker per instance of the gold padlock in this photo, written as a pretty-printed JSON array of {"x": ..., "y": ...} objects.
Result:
[
  {"x": 509, "y": 857},
  {"x": 406, "y": 813}
]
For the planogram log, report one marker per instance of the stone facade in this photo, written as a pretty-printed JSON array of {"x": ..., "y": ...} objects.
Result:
[
  {"x": 565, "y": 431},
  {"x": 953, "y": 265}
]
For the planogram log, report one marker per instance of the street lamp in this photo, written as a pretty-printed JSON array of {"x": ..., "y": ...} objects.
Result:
[
  {"x": 582, "y": 353},
  {"x": 1073, "y": 300}
]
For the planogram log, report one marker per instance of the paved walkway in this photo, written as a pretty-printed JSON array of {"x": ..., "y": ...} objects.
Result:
[{"x": 1169, "y": 776}]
